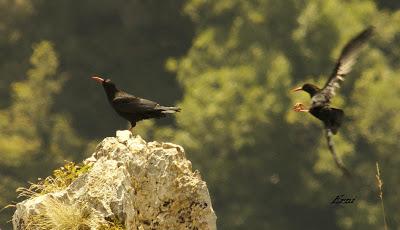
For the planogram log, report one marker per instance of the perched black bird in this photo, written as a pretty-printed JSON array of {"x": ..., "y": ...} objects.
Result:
[
  {"x": 133, "y": 108},
  {"x": 321, "y": 98}
]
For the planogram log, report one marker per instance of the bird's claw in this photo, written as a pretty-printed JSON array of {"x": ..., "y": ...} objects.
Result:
[{"x": 299, "y": 107}]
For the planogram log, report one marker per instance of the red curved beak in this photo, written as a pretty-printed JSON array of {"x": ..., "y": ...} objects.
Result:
[
  {"x": 297, "y": 89},
  {"x": 98, "y": 79}
]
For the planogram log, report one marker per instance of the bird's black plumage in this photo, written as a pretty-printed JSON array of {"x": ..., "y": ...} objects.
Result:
[
  {"x": 133, "y": 108},
  {"x": 321, "y": 98}
]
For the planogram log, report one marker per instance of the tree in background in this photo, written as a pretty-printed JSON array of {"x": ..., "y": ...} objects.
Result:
[
  {"x": 33, "y": 137},
  {"x": 12, "y": 15},
  {"x": 388, "y": 4},
  {"x": 267, "y": 167}
]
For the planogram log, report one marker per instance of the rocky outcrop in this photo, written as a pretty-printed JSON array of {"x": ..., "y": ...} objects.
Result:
[{"x": 131, "y": 183}]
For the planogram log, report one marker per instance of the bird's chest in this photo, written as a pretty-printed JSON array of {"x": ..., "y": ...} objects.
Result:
[
  {"x": 322, "y": 112},
  {"x": 127, "y": 115}
]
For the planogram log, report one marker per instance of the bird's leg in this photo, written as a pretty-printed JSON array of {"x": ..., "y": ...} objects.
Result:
[
  {"x": 299, "y": 107},
  {"x": 133, "y": 124}
]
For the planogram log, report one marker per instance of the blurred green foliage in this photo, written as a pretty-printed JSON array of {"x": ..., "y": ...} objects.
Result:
[
  {"x": 33, "y": 136},
  {"x": 235, "y": 62}
]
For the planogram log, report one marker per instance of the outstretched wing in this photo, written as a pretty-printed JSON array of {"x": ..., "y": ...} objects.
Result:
[{"x": 343, "y": 66}]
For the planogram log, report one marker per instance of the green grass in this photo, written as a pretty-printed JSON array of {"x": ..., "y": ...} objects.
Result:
[{"x": 60, "y": 180}]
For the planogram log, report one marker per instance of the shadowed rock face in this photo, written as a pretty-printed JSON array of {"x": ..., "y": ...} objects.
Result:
[{"x": 141, "y": 185}]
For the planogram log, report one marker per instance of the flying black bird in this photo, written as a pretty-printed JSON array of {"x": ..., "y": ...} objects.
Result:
[
  {"x": 321, "y": 98},
  {"x": 133, "y": 108}
]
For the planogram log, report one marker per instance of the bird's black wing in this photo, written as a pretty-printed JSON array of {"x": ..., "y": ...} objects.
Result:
[
  {"x": 343, "y": 66},
  {"x": 132, "y": 104}
]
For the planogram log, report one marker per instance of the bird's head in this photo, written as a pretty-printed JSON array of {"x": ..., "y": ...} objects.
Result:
[
  {"x": 107, "y": 83},
  {"x": 309, "y": 88}
]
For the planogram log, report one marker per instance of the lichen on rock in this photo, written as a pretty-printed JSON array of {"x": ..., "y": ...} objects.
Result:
[{"x": 131, "y": 184}]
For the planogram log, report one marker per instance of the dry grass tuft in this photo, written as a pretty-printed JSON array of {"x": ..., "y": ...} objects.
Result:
[
  {"x": 54, "y": 214},
  {"x": 380, "y": 195},
  {"x": 57, "y": 215}
]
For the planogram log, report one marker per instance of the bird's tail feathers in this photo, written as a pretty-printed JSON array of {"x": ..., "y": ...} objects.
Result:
[
  {"x": 336, "y": 121},
  {"x": 336, "y": 158},
  {"x": 166, "y": 110}
]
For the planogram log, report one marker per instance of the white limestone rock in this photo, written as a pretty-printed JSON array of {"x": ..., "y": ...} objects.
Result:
[{"x": 142, "y": 185}]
